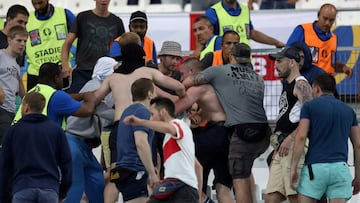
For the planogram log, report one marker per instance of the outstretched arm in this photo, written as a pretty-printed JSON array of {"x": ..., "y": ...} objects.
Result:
[
  {"x": 162, "y": 93},
  {"x": 195, "y": 80},
  {"x": 88, "y": 106},
  {"x": 167, "y": 82},
  {"x": 103, "y": 90},
  {"x": 265, "y": 39},
  {"x": 343, "y": 68},
  {"x": 192, "y": 95},
  {"x": 158, "y": 126}
]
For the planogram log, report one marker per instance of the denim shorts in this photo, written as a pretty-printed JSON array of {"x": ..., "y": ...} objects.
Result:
[
  {"x": 332, "y": 179},
  {"x": 35, "y": 194}
]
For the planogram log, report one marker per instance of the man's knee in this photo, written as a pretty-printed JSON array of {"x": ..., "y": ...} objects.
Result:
[{"x": 274, "y": 197}]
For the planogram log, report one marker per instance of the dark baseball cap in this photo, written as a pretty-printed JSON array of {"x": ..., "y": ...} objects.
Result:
[
  {"x": 138, "y": 15},
  {"x": 288, "y": 52}
]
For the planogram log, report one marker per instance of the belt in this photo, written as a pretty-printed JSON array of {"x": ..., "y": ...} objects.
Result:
[
  {"x": 79, "y": 137},
  {"x": 215, "y": 123}
]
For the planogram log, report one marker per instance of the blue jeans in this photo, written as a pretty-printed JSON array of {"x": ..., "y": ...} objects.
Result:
[
  {"x": 35, "y": 195},
  {"x": 87, "y": 173}
]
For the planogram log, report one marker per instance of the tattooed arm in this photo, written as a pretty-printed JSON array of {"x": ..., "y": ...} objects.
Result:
[
  {"x": 195, "y": 80},
  {"x": 303, "y": 91}
]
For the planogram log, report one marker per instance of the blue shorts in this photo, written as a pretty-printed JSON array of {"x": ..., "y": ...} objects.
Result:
[{"x": 332, "y": 179}]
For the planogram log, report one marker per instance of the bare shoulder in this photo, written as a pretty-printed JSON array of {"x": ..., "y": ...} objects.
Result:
[{"x": 144, "y": 72}]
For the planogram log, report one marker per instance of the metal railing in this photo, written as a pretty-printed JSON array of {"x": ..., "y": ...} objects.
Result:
[{"x": 348, "y": 89}]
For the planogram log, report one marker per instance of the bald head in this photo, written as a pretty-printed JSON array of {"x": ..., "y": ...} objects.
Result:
[{"x": 326, "y": 17}]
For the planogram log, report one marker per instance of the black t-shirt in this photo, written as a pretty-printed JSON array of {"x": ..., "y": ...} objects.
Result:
[
  {"x": 207, "y": 60},
  {"x": 94, "y": 35}
]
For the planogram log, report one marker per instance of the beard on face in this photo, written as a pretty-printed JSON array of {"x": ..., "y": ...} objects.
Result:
[{"x": 44, "y": 9}]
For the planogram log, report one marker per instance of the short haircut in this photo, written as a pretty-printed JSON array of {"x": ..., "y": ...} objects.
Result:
[
  {"x": 162, "y": 102},
  {"x": 326, "y": 82},
  {"x": 48, "y": 71},
  {"x": 206, "y": 19},
  {"x": 230, "y": 32},
  {"x": 129, "y": 37},
  {"x": 16, "y": 9},
  {"x": 35, "y": 100},
  {"x": 140, "y": 89},
  {"x": 17, "y": 30},
  {"x": 325, "y": 6},
  {"x": 193, "y": 62}
]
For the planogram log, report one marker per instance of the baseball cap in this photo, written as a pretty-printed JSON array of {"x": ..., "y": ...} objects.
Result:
[
  {"x": 171, "y": 48},
  {"x": 288, "y": 52},
  {"x": 115, "y": 50},
  {"x": 242, "y": 52},
  {"x": 138, "y": 15}
]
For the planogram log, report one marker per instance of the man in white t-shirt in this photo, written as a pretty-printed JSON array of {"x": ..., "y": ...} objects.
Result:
[{"x": 179, "y": 151}]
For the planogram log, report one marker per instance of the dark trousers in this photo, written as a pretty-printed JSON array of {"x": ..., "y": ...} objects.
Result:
[
  {"x": 6, "y": 119},
  {"x": 79, "y": 78},
  {"x": 32, "y": 80}
]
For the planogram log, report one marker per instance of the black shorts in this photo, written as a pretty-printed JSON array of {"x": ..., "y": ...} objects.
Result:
[
  {"x": 6, "y": 118},
  {"x": 212, "y": 150},
  {"x": 112, "y": 142},
  {"x": 133, "y": 186},
  {"x": 243, "y": 153}
]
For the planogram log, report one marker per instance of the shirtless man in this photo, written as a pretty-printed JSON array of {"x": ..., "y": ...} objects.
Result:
[
  {"x": 119, "y": 85},
  {"x": 212, "y": 136}
]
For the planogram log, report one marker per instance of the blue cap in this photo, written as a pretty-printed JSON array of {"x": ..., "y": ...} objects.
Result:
[{"x": 115, "y": 50}]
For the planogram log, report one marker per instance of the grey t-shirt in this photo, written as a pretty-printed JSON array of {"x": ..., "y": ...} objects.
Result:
[
  {"x": 9, "y": 79},
  {"x": 104, "y": 110},
  {"x": 241, "y": 92}
]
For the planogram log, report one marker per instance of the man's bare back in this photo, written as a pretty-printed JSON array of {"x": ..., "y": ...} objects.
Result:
[
  {"x": 120, "y": 86},
  {"x": 207, "y": 100}
]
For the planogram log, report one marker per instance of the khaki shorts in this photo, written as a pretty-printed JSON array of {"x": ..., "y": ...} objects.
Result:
[
  {"x": 279, "y": 177},
  {"x": 105, "y": 147}
]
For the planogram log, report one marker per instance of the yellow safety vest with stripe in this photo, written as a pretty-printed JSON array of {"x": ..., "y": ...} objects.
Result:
[
  {"x": 47, "y": 92},
  {"x": 209, "y": 48},
  {"x": 323, "y": 52},
  {"x": 45, "y": 39},
  {"x": 240, "y": 23}
]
